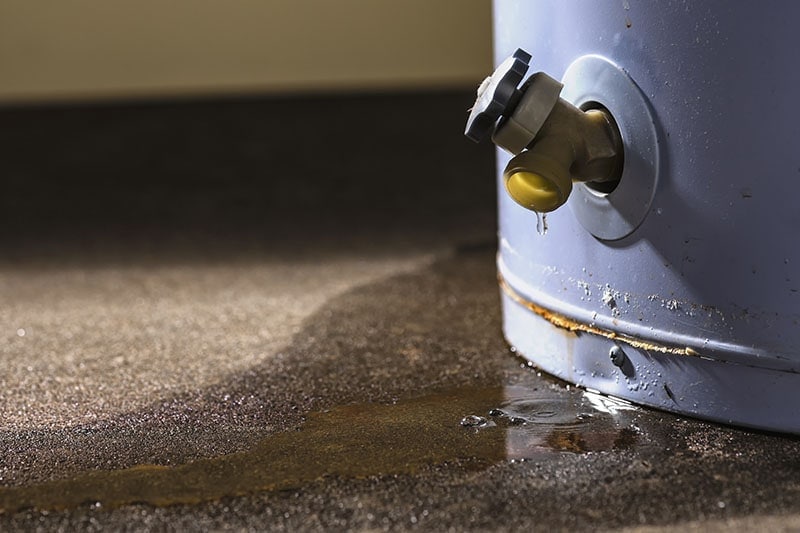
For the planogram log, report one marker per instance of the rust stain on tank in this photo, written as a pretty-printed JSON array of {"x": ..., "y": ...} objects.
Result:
[{"x": 566, "y": 323}]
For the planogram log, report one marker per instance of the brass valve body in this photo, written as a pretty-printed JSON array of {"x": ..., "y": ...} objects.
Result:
[{"x": 571, "y": 145}]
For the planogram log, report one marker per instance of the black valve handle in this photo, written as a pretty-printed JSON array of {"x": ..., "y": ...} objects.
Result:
[{"x": 496, "y": 95}]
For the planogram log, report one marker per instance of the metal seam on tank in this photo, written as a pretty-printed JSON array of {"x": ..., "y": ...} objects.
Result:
[
  {"x": 564, "y": 322},
  {"x": 716, "y": 351}
]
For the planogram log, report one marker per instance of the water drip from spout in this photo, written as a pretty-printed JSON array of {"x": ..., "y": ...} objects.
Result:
[{"x": 541, "y": 223}]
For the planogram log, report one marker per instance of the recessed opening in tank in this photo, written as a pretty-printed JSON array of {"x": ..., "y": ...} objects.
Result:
[{"x": 603, "y": 188}]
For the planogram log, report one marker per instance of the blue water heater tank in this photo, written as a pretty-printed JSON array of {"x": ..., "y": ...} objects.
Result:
[{"x": 680, "y": 288}]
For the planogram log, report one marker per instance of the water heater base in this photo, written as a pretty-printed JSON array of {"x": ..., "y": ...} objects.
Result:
[{"x": 724, "y": 392}]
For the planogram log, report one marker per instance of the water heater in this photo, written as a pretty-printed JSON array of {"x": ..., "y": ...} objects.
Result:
[{"x": 648, "y": 177}]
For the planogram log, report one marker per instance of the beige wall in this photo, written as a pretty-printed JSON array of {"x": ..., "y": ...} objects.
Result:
[{"x": 62, "y": 49}]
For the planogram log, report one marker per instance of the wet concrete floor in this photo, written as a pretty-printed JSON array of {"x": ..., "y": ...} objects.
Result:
[
  {"x": 341, "y": 372},
  {"x": 396, "y": 405}
]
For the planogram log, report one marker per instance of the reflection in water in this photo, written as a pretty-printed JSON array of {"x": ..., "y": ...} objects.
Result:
[
  {"x": 540, "y": 424},
  {"x": 469, "y": 427}
]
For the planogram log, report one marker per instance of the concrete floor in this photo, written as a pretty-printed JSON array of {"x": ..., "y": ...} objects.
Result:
[{"x": 212, "y": 320}]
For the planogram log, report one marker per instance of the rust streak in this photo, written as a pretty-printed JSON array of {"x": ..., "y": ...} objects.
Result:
[{"x": 563, "y": 322}]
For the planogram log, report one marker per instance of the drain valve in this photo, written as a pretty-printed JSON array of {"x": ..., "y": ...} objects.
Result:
[{"x": 553, "y": 142}]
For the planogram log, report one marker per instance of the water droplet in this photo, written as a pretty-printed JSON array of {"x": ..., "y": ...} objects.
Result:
[
  {"x": 608, "y": 298},
  {"x": 473, "y": 421},
  {"x": 585, "y": 287},
  {"x": 541, "y": 223}
]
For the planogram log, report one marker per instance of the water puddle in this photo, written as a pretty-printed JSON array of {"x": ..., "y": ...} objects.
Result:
[
  {"x": 579, "y": 422},
  {"x": 469, "y": 428}
]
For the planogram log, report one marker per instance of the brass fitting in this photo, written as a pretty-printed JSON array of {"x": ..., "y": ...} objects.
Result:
[
  {"x": 572, "y": 145},
  {"x": 553, "y": 142}
]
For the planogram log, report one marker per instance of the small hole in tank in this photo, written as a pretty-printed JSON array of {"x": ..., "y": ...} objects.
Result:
[{"x": 603, "y": 188}]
